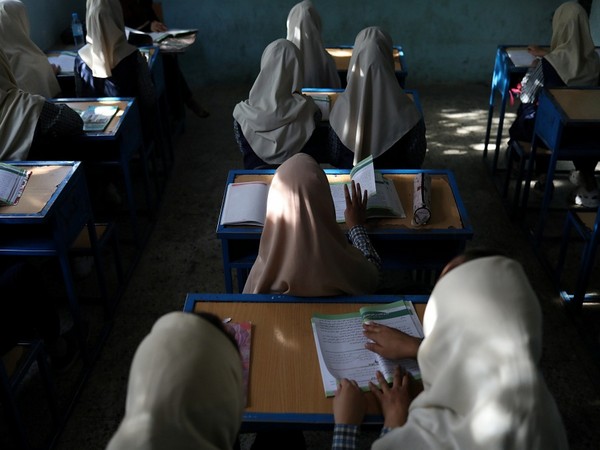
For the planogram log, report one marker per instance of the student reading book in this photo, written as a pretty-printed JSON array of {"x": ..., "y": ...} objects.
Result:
[
  {"x": 341, "y": 343},
  {"x": 12, "y": 183}
]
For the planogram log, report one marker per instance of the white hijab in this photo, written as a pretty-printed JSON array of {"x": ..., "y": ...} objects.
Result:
[
  {"x": 303, "y": 250},
  {"x": 373, "y": 113},
  {"x": 277, "y": 120},
  {"x": 106, "y": 40},
  {"x": 304, "y": 30},
  {"x": 29, "y": 64},
  {"x": 19, "y": 114},
  {"x": 573, "y": 54},
  {"x": 185, "y": 389},
  {"x": 480, "y": 366}
]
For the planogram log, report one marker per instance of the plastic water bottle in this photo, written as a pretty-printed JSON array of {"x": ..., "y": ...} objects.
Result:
[{"x": 77, "y": 30}]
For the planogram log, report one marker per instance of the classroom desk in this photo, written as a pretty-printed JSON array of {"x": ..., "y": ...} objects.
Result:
[
  {"x": 510, "y": 65},
  {"x": 285, "y": 386},
  {"x": 51, "y": 213},
  {"x": 117, "y": 145},
  {"x": 400, "y": 244},
  {"x": 342, "y": 53},
  {"x": 564, "y": 115}
]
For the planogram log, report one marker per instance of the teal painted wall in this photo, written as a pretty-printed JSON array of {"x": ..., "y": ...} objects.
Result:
[{"x": 444, "y": 40}]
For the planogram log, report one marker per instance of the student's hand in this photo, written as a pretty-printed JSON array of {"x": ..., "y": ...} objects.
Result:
[
  {"x": 390, "y": 342},
  {"x": 158, "y": 27},
  {"x": 349, "y": 403},
  {"x": 356, "y": 205},
  {"x": 394, "y": 400},
  {"x": 55, "y": 69},
  {"x": 536, "y": 50}
]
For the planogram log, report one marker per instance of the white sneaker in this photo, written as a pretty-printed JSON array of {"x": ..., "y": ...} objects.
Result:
[
  {"x": 587, "y": 199},
  {"x": 575, "y": 177}
]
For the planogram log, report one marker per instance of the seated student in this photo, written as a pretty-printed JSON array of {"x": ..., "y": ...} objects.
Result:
[
  {"x": 374, "y": 116},
  {"x": 108, "y": 66},
  {"x": 479, "y": 364},
  {"x": 304, "y": 30},
  {"x": 302, "y": 248},
  {"x": 572, "y": 61},
  {"x": 185, "y": 388},
  {"x": 277, "y": 121},
  {"x": 26, "y": 117},
  {"x": 140, "y": 15},
  {"x": 30, "y": 66}
]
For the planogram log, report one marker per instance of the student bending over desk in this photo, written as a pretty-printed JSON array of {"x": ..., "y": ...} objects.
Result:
[
  {"x": 374, "y": 116},
  {"x": 304, "y": 30},
  {"x": 572, "y": 61},
  {"x": 31, "y": 68},
  {"x": 26, "y": 117},
  {"x": 303, "y": 250},
  {"x": 185, "y": 388},
  {"x": 277, "y": 120},
  {"x": 479, "y": 362}
]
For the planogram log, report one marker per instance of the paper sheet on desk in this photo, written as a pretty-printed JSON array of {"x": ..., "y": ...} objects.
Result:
[{"x": 66, "y": 62}]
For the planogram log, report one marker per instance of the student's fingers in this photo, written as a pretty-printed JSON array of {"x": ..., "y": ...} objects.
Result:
[
  {"x": 347, "y": 196},
  {"x": 375, "y": 390},
  {"x": 383, "y": 385}
]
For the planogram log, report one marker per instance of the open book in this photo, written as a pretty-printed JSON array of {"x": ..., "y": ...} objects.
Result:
[
  {"x": 65, "y": 60},
  {"x": 245, "y": 204},
  {"x": 383, "y": 200},
  {"x": 97, "y": 117},
  {"x": 140, "y": 38},
  {"x": 341, "y": 348},
  {"x": 242, "y": 332},
  {"x": 12, "y": 183}
]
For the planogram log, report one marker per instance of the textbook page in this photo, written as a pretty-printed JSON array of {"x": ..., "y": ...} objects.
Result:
[
  {"x": 245, "y": 204},
  {"x": 340, "y": 344},
  {"x": 520, "y": 57},
  {"x": 65, "y": 60}
]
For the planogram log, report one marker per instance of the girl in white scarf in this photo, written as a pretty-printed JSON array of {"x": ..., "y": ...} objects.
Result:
[
  {"x": 185, "y": 388},
  {"x": 304, "y": 30},
  {"x": 33, "y": 73},
  {"x": 480, "y": 368}
]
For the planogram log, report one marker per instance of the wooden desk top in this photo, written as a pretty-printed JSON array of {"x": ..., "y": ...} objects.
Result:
[
  {"x": 578, "y": 104},
  {"x": 341, "y": 56},
  {"x": 285, "y": 377},
  {"x": 444, "y": 211},
  {"x": 42, "y": 185},
  {"x": 113, "y": 125}
]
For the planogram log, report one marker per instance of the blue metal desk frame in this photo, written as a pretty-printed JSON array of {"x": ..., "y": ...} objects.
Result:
[
  {"x": 240, "y": 244},
  {"x": 52, "y": 230},
  {"x": 255, "y": 420},
  {"x": 126, "y": 138},
  {"x": 550, "y": 125}
]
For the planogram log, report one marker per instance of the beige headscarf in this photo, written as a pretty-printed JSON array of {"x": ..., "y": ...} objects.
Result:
[
  {"x": 304, "y": 30},
  {"x": 106, "y": 41},
  {"x": 19, "y": 114},
  {"x": 277, "y": 120},
  {"x": 483, "y": 388},
  {"x": 302, "y": 249},
  {"x": 572, "y": 54},
  {"x": 28, "y": 62},
  {"x": 373, "y": 113},
  {"x": 185, "y": 389}
]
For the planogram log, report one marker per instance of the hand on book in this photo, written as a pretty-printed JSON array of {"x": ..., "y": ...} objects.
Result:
[
  {"x": 390, "y": 342},
  {"x": 395, "y": 399},
  {"x": 158, "y": 27},
  {"x": 349, "y": 403},
  {"x": 356, "y": 205}
]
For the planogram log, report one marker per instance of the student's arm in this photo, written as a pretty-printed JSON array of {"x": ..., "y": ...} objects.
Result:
[
  {"x": 58, "y": 120},
  {"x": 349, "y": 407},
  {"x": 390, "y": 342}
]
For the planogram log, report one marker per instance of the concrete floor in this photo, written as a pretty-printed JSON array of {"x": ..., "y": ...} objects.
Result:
[{"x": 183, "y": 255}]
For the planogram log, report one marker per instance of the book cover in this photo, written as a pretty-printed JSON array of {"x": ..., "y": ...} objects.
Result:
[
  {"x": 340, "y": 344},
  {"x": 12, "y": 183},
  {"x": 242, "y": 332},
  {"x": 245, "y": 204},
  {"x": 97, "y": 117}
]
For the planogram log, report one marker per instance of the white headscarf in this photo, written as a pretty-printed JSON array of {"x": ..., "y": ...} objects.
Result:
[
  {"x": 572, "y": 53},
  {"x": 480, "y": 366},
  {"x": 304, "y": 30},
  {"x": 277, "y": 120},
  {"x": 29, "y": 64},
  {"x": 185, "y": 389},
  {"x": 302, "y": 249},
  {"x": 373, "y": 113},
  {"x": 106, "y": 40},
  {"x": 19, "y": 114}
]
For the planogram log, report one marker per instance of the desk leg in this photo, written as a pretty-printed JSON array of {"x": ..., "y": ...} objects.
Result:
[
  {"x": 126, "y": 172},
  {"x": 499, "y": 132},
  {"x": 488, "y": 129},
  {"x": 539, "y": 233},
  {"x": 226, "y": 266}
]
